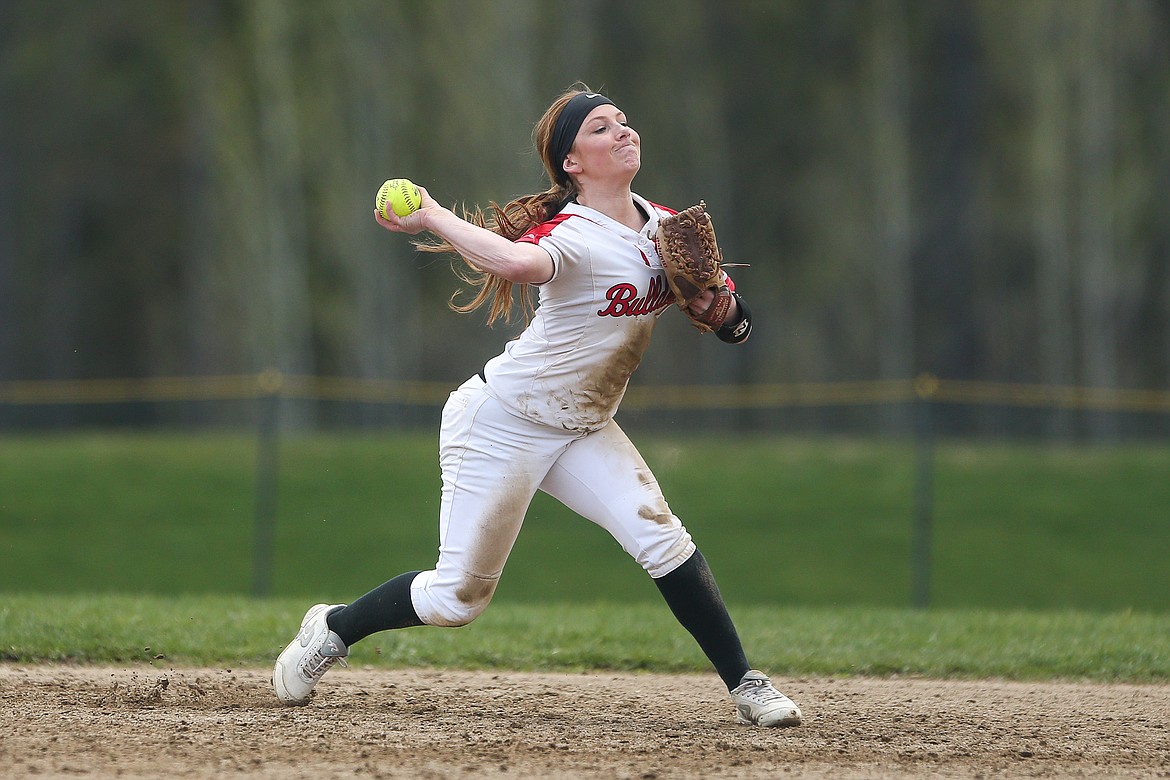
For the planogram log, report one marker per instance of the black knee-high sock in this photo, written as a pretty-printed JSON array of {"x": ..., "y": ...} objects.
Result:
[
  {"x": 694, "y": 598},
  {"x": 386, "y": 606}
]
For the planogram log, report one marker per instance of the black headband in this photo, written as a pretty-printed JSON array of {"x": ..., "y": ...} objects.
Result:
[{"x": 569, "y": 122}]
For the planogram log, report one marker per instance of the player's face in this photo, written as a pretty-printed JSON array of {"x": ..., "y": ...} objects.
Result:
[{"x": 606, "y": 147}]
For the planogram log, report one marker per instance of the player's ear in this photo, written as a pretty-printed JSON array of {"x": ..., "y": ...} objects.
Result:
[{"x": 571, "y": 166}]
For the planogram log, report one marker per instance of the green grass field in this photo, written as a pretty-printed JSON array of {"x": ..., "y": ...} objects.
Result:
[
  {"x": 1048, "y": 562},
  {"x": 811, "y": 523},
  {"x": 236, "y": 631}
]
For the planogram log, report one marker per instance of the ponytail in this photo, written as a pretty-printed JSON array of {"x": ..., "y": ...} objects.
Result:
[{"x": 513, "y": 220}]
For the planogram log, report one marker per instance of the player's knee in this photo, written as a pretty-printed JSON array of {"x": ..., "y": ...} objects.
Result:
[
  {"x": 463, "y": 603},
  {"x": 666, "y": 553}
]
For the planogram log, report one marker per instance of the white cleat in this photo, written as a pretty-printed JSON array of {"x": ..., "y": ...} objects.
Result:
[
  {"x": 308, "y": 657},
  {"x": 760, "y": 704}
]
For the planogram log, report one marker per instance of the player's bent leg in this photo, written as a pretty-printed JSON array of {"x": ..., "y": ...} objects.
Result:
[
  {"x": 451, "y": 600},
  {"x": 386, "y": 607},
  {"x": 306, "y": 659},
  {"x": 492, "y": 463}
]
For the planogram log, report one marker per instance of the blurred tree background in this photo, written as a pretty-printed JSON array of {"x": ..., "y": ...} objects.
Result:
[{"x": 974, "y": 188}]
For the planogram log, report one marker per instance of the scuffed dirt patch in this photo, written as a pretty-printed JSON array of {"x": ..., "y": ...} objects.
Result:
[{"x": 62, "y": 721}]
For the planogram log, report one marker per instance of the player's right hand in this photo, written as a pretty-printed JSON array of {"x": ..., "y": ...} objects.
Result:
[{"x": 412, "y": 223}]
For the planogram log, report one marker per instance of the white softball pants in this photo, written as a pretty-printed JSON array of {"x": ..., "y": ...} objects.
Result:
[{"x": 493, "y": 462}]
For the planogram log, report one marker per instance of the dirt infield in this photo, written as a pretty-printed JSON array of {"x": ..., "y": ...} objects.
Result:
[{"x": 61, "y": 721}]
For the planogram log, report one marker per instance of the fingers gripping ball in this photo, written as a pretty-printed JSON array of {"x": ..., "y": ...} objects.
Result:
[{"x": 399, "y": 195}]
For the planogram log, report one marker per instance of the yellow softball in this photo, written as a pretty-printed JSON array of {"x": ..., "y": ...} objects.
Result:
[{"x": 401, "y": 195}]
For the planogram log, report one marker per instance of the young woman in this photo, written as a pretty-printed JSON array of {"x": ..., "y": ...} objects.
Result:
[{"x": 539, "y": 416}]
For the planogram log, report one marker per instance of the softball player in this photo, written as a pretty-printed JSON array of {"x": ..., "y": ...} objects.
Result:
[{"x": 539, "y": 416}]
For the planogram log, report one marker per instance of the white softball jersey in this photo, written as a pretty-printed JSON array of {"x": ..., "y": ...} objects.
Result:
[{"x": 570, "y": 367}]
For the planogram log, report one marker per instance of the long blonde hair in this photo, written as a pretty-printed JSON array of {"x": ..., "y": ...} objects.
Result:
[{"x": 513, "y": 220}]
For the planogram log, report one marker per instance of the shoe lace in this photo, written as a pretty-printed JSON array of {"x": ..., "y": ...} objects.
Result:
[
  {"x": 317, "y": 663},
  {"x": 761, "y": 692}
]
